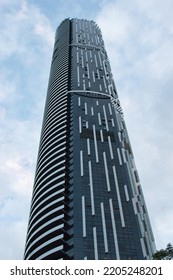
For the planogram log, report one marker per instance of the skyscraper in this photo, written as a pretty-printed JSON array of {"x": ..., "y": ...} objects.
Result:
[{"x": 87, "y": 200}]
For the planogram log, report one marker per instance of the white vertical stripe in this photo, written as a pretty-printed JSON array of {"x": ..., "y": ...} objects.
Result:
[
  {"x": 99, "y": 118},
  {"x": 79, "y": 102},
  {"x": 96, "y": 61},
  {"x": 119, "y": 197},
  {"x": 82, "y": 60},
  {"x": 88, "y": 146},
  {"x": 78, "y": 79},
  {"x": 80, "y": 124},
  {"x": 98, "y": 73},
  {"x": 92, "y": 111},
  {"x": 97, "y": 103},
  {"x": 113, "y": 124},
  {"x": 88, "y": 72},
  {"x": 77, "y": 56},
  {"x": 86, "y": 110},
  {"x": 95, "y": 143},
  {"x": 86, "y": 56},
  {"x": 106, "y": 120},
  {"x": 93, "y": 76},
  {"x": 101, "y": 135},
  {"x": 100, "y": 59},
  {"x": 126, "y": 193},
  {"x": 110, "y": 109},
  {"x": 119, "y": 156},
  {"x": 119, "y": 136},
  {"x": 124, "y": 156},
  {"x": 114, "y": 229},
  {"x": 95, "y": 243},
  {"x": 131, "y": 180},
  {"x": 81, "y": 163},
  {"x": 110, "y": 147},
  {"x": 104, "y": 227},
  {"x": 91, "y": 189},
  {"x": 83, "y": 216},
  {"x": 106, "y": 172},
  {"x": 104, "y": 80},
  {"x": 85, "y": 258}
]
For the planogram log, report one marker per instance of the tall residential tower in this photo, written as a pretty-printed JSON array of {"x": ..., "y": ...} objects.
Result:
[{"x": 87, "y": 200}]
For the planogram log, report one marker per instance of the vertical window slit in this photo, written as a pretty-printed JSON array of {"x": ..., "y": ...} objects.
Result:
[
  {"x": 105, "y": 115},
  {"x": 96, "y": 61},
  {"x": 126, "y": 193},
  {"x": 78, "y": 77},
  {"x": 110, "y": 147},
  {"x": 99, "y": 119},
  {"x": 91, "y": 189},
  {"x": 106, "y": 172},
  {"x": 118, "y": 197},
  {"x": 95, "y": 144},
  {"x": 114, "y": 229},
  {"x": 88, "y": 146},
  {"x": 86, "y": 109},
  {"x": 80, "y": 124},
  {"x": 119, "y": 156},
  {"x": 110, "y": 109},
  {"x": 92, "y": 111},
  {"x": 101, "y": 135},
  {"x": 95, "y": 243},
  {"x": 81, "y": 163},
  {"x": 104, "y": 227},
  {"x": 93, "y": 76},
  {"x": 77, "y": 56},
  {"x": 83, "y": 216},
  {"x": 79, "y": 102}
]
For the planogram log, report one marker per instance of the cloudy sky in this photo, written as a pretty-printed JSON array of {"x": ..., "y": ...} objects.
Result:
[{"x": 138, "y": 36}]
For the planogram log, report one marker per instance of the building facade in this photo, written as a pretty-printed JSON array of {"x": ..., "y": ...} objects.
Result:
[{"x": 87, "y": 200}]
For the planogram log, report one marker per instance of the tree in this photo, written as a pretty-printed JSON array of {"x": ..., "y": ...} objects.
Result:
[{"x": 164, "y": 254}]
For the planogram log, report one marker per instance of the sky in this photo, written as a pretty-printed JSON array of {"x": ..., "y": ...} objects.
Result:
[{"x": 138, "y": 37}]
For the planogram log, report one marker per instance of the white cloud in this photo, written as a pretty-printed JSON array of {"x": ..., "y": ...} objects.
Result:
[
  {"x": 6, "y": 89},
  {"x": 22, "y": 27},
  {"x": 13, "y": 236}
]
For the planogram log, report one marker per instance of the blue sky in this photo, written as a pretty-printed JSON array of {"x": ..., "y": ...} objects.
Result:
[{"x": 139, "y": 40}]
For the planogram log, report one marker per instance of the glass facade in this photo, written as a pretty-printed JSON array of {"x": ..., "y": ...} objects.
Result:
[{"x": 87, "y": 199}]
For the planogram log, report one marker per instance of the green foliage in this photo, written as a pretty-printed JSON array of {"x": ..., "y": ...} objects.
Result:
[{"x": 164, "y": 254}]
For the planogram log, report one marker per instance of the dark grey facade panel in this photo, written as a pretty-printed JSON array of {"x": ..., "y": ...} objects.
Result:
[{"x": 87, "y": 200}]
